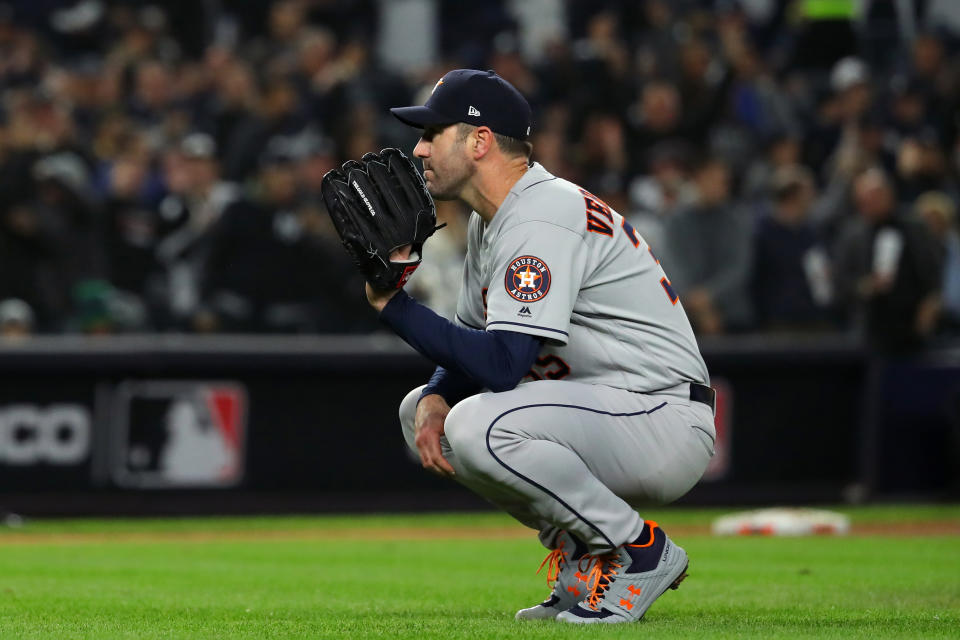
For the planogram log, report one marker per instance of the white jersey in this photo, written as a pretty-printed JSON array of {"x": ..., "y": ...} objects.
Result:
[{"x": 558, "y": 263}]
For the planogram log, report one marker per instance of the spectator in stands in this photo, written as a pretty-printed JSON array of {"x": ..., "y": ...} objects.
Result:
[
  {"x": 840, "y": 113},
  {"x": 317, "y": 70},
  {"x": 231, "y": 109},
  {"x": 28, "y": 265},
  {"x": 851, "y": 81},
  {"x": 49, "y": 238},
  {"x": 132, "y": 224},
  {"x": 703, "y": 83},
  {"x": 316, "y": 156},
  {"x": 267, "y": 270},
  {"x": 929, "y": 75},
  {"x": 921, "y": 167},
  {"x": 908, "y": 109},
  {"x": 667, "y": 186},
  {"x": 654, "y": 198},
  {"x": 69, "y": 212},
  {"x": 888, "y": 268},
  {"x": 603, "y": 152},
  {"x": 16, "y": 319},
  {"x": 861, "y": 146},
  {"x": 781, "y": 149},
  {"x": 277, "y": 51},
  {"x": 197, "y": 200},
  {"x": 939, "y": 212},
  {"x": 280, "y": 113},
  {"x": 757, "y": 104},
  {"x": 790, "y": 279},
  {"x": 707, "y": 254},
  {"x": 658, "y": 118},
  {"x": 206, "y": 194},
  {"x": 603, "y": 59},
  {"x": 550, "y": 145},
  {"x": 152, "y": 96}
]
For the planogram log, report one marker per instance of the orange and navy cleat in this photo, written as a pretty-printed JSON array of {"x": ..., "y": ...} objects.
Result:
[
  {"x": 625, "y": 582},
  {"x": 568, "y": 570}
]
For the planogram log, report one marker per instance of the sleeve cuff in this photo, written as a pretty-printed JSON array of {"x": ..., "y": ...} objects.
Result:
[{"x": 557, "y": 336}]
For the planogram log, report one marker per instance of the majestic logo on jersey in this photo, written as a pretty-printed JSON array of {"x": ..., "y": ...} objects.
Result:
[{"x": 528, "y": 279}]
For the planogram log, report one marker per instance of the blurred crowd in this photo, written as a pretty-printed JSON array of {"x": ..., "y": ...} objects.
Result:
[{"x": 794, "y": 165}]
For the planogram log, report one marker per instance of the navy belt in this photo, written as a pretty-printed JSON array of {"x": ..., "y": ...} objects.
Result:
[{"x": 702, "y": 393}]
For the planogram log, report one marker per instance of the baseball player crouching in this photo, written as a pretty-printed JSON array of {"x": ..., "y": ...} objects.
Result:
[{"x": 570, "y": 386}]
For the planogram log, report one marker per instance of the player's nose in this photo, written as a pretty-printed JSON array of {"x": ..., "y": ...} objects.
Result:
[{"x": 422, "y": 150}]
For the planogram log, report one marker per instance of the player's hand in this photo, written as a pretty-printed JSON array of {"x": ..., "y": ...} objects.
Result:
[
  {"x": 378, "y": 299},
  {"x": 928, "y": 315},
  {"x": 432, "y": 412}
]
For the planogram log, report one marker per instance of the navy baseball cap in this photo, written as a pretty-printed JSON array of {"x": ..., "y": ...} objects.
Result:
[{"x": 480, "y": 98}]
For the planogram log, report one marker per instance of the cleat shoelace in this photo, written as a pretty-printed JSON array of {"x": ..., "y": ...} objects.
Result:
[
  {"x": 557, "y": 559},
  {"x": 554, "y": 562},
  {"x": 601, "y": 575}
]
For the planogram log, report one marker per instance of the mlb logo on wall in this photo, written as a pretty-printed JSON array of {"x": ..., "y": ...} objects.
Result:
[{"x": 179, "y": 434}]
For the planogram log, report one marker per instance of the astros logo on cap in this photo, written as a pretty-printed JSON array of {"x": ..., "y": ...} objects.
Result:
[{"x": 527, "y": 279}]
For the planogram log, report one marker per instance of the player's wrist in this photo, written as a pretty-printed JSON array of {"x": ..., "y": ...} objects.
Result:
[
  {"x": 432, "y": 401},
  {"x": 430, "y": 407},
  {"x": 379, "y": 298}
]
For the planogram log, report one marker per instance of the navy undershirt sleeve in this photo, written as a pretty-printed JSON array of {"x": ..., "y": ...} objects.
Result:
[
  {"x": 495, "y": 360},
  {"x": 451, "y": 384}
]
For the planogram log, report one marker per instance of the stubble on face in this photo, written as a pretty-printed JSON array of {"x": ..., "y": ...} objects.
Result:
[{"x": 448, "y": 165}]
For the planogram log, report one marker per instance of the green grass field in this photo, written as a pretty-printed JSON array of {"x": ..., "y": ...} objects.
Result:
[{"x": 460, "y": 576}]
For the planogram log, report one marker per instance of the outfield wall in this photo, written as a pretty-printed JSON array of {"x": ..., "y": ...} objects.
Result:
[{"x": 189, "y": 424}]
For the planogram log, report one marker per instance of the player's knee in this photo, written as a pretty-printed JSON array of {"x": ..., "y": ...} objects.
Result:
[
  {"x": 466, "y": 428},
  {"x": 408, "y": 415}
]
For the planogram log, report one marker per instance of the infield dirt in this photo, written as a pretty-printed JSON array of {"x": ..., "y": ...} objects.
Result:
[{"x": 463, "y": 532}]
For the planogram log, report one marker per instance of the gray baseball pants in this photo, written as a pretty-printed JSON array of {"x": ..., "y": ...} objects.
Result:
[{"x": 566, "y": 455}]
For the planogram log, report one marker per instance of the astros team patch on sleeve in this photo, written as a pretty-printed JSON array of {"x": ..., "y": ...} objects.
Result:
[{"x": 527, "y": 279}]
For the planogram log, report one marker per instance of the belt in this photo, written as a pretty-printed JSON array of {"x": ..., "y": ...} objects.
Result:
[{"x": 702, "y": 393}]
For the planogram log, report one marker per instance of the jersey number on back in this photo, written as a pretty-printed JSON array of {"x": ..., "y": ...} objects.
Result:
[
  {"x": 553, "y": 367},
  {"x": 600, "y": 220}
]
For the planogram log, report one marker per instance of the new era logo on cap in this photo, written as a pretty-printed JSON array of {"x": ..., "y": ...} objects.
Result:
[{"x": 480, "y": 98}]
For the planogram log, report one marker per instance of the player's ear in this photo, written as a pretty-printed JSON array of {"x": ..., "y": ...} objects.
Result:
[{"x": 481, "y": 142}]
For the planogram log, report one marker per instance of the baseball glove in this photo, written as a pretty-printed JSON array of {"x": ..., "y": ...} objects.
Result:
[{"x": 379, "y": 205}]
